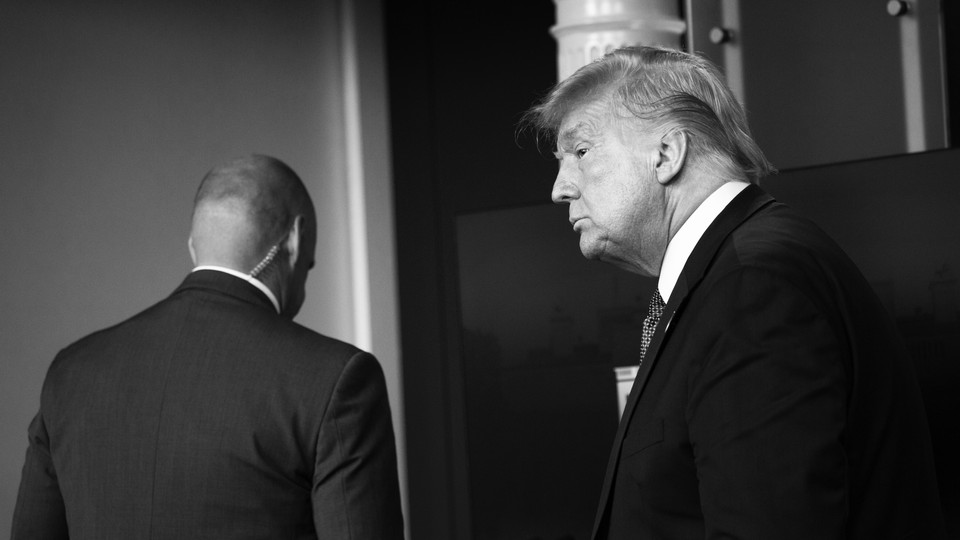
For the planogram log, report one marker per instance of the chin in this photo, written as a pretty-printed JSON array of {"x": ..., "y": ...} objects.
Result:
[{"x": 590, "y": 250}]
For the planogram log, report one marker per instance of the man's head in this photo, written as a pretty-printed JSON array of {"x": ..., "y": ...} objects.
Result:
[
  {"x": 663, "y": 87},
  {"x": 643, "y": 136},
  {"x": 254, "y": 215}
]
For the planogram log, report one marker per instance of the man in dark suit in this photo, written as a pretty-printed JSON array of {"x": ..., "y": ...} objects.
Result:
[
  {"x": 774, "y": 399},
  {"x": 212, "y": 414}
]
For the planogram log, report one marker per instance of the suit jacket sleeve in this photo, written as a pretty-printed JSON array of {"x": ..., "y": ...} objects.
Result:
[
  {"x": 766, "y": 412},
  {"x": 355, "y": 489},
  {"x": 39, "y": 513}
]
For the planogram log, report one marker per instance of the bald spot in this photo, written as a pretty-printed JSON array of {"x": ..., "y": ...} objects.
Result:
[{"x": 243, "y": 208}]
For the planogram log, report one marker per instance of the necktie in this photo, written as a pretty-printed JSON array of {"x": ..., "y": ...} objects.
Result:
[{"x": 650, "y": 322}]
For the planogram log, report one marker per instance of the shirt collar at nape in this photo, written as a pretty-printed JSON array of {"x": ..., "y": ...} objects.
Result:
[{"x": 248, "y": 278}]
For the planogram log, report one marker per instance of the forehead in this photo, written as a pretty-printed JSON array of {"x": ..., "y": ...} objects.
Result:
[{"x": 587, "y": 121}]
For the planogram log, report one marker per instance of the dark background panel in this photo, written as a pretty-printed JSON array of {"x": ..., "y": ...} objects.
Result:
[{"x": 460, "y": 75}]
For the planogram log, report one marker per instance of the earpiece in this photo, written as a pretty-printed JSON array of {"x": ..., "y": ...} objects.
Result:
[{"x": 266, "y": 261}]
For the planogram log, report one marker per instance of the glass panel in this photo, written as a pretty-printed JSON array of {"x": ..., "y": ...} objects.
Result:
[
  {"x": 543, "y": 330},
  {"x": 826, "y": 81},
  {"x": 902, "y": 228}
]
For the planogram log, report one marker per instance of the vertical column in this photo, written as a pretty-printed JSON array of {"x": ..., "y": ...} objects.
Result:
[
  {"x": 922, "y": 72},
  {"x": 714, "y": 32},
  {"x": 588, "y": 29},
  {"x": 370, "y": 210}
]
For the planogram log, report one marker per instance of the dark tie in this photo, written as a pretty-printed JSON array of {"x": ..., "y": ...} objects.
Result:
[{"x": 650, "y": 322}]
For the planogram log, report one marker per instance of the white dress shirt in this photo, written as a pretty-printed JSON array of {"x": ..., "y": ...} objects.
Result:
[
  {"x": 682, "y": 243},
  {"x": 248, "y": 278}
]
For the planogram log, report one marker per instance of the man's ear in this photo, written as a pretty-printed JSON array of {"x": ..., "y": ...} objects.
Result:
[
  {"x": 292, "y": 243},
  {"x": 672, "y": 155},
  {"x": 193, "y": 252}
]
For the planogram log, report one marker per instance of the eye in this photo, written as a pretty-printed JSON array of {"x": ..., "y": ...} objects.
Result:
[{"x": 581, "y": 152}]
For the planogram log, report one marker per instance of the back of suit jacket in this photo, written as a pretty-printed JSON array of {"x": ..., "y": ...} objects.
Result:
[
  {"x": 210, "y": 416},
  {"x": 777, "y": 403}
]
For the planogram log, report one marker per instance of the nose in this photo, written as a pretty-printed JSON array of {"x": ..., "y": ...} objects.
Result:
[{"x": 564, "y": 189}]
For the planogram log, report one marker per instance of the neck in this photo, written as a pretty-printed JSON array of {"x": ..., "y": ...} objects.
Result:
[
  {"x": 686, "y": 195},
  {"x": 273, "y": 277},
  {"x": 268, "y": 291}
]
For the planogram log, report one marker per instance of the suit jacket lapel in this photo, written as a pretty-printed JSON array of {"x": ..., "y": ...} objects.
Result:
[{"x": 745, "y": 204}]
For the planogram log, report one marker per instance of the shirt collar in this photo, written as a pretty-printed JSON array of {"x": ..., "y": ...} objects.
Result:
[
  {"x": 248, "y": 278},
  {"x": 682, "y": 243}
]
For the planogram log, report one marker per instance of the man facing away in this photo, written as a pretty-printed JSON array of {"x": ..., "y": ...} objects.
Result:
[
  {"x": 212, "y": 414},
  {"x": 774, "y": 399}
]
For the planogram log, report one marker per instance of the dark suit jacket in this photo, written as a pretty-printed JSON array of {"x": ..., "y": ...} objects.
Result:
[
  {"x": 210, "y": 416},
  {"x": 778, "y": 403}
]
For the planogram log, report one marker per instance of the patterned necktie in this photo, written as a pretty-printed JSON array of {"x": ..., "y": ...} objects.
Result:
[{"x": 650, "y": 322}]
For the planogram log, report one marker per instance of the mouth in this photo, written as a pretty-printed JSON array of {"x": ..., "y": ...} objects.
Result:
[{"x": 574, "y": 221}]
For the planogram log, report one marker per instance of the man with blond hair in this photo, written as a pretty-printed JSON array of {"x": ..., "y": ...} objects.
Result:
[{"x": 774, "y": 399}]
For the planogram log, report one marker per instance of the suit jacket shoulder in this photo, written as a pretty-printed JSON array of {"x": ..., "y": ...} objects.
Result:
[
  {"x": 778, "y": 365},
  {"x": 210, "y": 400}
]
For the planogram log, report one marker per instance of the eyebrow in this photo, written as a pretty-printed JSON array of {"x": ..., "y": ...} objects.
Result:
[{"x": 569, "y": 136}]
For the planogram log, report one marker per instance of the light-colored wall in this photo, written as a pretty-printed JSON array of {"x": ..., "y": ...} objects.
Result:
[{"x": 110, "y": 114}]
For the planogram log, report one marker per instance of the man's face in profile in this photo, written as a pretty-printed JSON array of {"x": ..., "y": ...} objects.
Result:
[{"x": 607, "y": 176}]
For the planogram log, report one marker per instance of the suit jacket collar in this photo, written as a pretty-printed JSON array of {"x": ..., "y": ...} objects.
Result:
[
  {"x": 212, "y": 281},
  {"x": 744, "y": 205}
]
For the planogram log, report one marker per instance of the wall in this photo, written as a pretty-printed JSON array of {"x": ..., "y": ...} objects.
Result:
[{"x": 112, "y": 112}]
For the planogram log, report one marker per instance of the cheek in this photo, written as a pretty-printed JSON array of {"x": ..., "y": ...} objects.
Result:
[
  {"x": 614, "y": 186},
  {"x": 600, "y": 181},
  {"x": 629, "y": 205}
]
